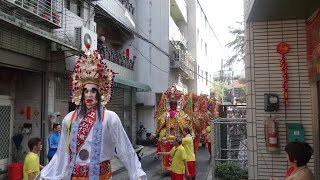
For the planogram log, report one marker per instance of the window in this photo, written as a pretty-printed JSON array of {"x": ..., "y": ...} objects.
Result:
[
  {"x": 74, "y": 6},
  {"x": 205, "y": 49}
]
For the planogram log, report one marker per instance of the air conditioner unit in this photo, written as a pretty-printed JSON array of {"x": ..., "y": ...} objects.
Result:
[{"x": 85, "y": 36}]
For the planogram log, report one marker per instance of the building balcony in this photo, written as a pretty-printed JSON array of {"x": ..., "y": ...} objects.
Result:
[
  {"x": 178, "y": 10},
  {"x": 183, "y": 61},
  {"x": 120, "y": 10},
  {"x": 175, "y": 33},
  {"x": 272, "y": 10},
  {"x": 45, "y": 12},
  {"x": 116, "y": 57}
]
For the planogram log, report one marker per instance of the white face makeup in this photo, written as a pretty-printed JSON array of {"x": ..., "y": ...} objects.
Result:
[{"x": 90, "y": 95}]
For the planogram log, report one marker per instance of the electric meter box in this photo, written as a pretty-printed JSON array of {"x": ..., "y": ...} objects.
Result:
[{"x": 295, "y": 132}]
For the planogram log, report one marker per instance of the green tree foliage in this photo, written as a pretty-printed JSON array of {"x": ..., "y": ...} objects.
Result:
[
  {"x": 218, "y": 87},
  {"x": 236, "y": 45}
]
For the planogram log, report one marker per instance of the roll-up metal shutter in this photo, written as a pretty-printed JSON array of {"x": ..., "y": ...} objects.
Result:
[
  {"x": 117, "y": 103},
  {"x": 23, "y": 43}
]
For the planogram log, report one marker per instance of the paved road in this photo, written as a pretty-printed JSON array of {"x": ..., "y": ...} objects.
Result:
[{"x": 154, "y": 171}]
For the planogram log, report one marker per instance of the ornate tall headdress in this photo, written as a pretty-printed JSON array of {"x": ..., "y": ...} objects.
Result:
[
  {"x": 90, "y": 69},
  {"x": 173, "y": 94}
]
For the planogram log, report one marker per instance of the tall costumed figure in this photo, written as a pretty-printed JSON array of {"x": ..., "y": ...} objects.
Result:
[
  {"x": 170, "y": 123},
  {"x": 91, "y": 133}
]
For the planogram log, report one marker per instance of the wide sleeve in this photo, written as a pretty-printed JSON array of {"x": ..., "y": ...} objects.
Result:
[
  {"x": 58, "y": 165},
  {"x": 125, "y": 151}
]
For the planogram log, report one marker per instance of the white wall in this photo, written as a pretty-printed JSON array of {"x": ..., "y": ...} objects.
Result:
[
  {"x": 209, "y": 63},
  {"x": 28, "y": 94},
  {"x": 152, "y": 67},
  {"x": 263, "y": 75}
]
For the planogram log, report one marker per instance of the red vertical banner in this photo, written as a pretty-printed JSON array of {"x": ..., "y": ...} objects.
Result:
[
  {"x": 28, "y": 113},
  {"x": 128, "y": 53}
]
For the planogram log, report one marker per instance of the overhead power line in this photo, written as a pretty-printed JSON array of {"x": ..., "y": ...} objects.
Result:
[{"x": 108, "y": 13}]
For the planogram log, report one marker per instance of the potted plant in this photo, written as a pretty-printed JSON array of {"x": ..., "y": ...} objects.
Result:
[
  {"x": 15, "y": 168},
  {"x": 17, "y": 153}
]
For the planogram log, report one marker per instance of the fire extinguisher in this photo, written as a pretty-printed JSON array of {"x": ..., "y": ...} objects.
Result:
[{"x": 271, "y": 133}]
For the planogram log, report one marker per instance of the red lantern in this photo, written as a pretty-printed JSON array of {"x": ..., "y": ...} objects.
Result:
[{"x": 282, "y": 48}]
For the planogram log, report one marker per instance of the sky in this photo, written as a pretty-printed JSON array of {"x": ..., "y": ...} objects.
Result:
[{"x": 222, "y": 14}]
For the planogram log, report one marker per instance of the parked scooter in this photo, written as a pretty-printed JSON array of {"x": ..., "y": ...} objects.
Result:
[{"x": 151, "y": 140}]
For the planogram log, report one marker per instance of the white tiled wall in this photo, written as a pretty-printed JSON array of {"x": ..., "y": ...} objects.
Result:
[{"x": 264, "y": 75}]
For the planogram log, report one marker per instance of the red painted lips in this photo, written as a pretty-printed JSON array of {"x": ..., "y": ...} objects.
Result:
[{"x": 89, "y": 100}]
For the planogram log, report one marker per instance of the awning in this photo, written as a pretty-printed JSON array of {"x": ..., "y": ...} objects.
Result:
[
  {"x": 140, "y": 87},
  {"x": 273, "y": 10}
]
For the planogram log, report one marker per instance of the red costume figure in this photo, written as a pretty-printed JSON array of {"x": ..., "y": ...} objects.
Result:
[{"x": 171, "y": 122}]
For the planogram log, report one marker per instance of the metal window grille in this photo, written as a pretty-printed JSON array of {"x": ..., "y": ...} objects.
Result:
[
  {"x": 5, "y": 112},
  {"x": 229, "y": 141}
]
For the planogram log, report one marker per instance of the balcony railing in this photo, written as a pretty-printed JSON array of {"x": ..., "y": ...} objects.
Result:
[
  {"x": 116, "y": 57},
  {"x": 128, "y": 6},
  {"x": 181, "y": 59},
  {"x": 45, "y": 11}
]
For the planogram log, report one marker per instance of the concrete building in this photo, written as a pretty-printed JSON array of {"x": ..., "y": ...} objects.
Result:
[
  {"x": 184, "y": 51},
  {"x": 268, "y": 23},
  {"x": 39, "y": 44},
  {"x": 205, "y": 47},
  {"x": 152, "y": 19}
]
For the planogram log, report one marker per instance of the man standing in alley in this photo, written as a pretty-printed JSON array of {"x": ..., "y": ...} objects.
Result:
[{"x": 53, "y": 140}]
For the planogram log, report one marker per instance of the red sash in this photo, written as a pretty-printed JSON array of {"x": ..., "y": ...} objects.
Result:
[{"x": 85, "y": 126}]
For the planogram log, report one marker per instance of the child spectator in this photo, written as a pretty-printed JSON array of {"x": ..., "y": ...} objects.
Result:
[{"x": 31, "y": 166}]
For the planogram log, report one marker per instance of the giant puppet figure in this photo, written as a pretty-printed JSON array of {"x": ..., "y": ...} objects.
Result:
[
  {"x": 170, "y": 123},
  {"x": 199, "y": 118},
  {"x": 91, "y": 133}
]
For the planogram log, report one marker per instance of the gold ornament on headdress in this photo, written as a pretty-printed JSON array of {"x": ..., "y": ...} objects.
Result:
[
  {"x": 172, "y": 94},
  {"x": 90, "y": 69}
]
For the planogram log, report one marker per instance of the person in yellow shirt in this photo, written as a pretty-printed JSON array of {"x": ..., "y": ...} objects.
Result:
[
  {"x": 178, "y": 164},
  {"x": 187, "y": 143},
  {"x": 208, "y": 131},
  {"x": 31, "y": 165}
]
